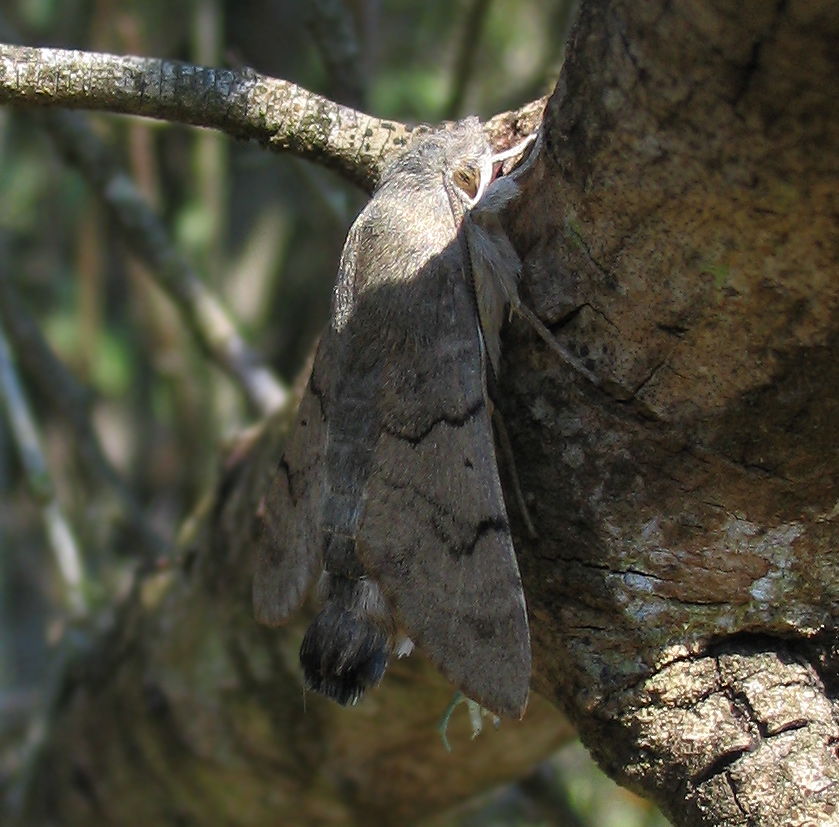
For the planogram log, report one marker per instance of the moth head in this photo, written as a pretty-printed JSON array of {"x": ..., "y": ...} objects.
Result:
[
  {"x": 473, "y": 168},
  {"x": 459, "y": 152},
  {"x": 467, "y": 161},
  {"x": 471, "y": 178}
]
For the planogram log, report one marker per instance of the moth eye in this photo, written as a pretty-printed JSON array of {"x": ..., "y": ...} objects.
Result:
[{"x": 467, "y": 179}]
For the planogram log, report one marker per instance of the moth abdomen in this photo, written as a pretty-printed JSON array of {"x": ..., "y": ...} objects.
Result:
[{"x": 347, "y": 646}]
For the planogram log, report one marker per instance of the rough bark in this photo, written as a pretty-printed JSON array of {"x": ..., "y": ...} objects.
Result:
[
  {"x": 680, "y": 234},
  {"x": 683, "y": 592},
  {"x": 187, "y": 712}
]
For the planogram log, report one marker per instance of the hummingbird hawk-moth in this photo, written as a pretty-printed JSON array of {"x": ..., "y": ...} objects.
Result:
[{"x": 389, "y": 490}]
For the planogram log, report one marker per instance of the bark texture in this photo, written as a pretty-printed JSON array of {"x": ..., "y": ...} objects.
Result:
[
  {"x": 679, "y": 232},
  {"x": 187, "y": 712},
  {"x": 683, "y": 592}
]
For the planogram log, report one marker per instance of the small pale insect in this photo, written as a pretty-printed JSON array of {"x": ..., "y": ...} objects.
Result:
[{"x": 389, "y": 489}]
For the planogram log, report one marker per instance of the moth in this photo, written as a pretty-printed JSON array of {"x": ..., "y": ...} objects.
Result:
[{"x": 388, "y": 491}]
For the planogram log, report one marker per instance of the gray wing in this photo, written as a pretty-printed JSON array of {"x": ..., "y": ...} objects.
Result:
[
  {"x": 434, "y": 531},
  {"x": 289, "y": 540},
  {"x": 392, "y": 472},
  {"x": 347, "y": 646}
]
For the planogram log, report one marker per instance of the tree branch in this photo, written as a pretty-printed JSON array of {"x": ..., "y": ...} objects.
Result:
[
  {"x": 242, "y": 103},
  {"x": 679, "y": 234}
]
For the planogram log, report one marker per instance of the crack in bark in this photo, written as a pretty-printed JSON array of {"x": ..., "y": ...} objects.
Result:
[
  {"x": 753, "y": 64},
  {"x": 631, "y": 570},
  {"x": 587, "y": 251},
  {"x": 791, "y": 726},
  {"x": 676, "y": 330},
  {"x": 720, "y": 765},
  {"x": 651, "y": 373},
  {"x": 734, "y": 794}
]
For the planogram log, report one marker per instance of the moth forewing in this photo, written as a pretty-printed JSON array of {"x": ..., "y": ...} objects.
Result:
[
  {"x": 435, "y": 531},
  {"x": 412, "y": 527},
  {"x": 289, "y": 540},
  {"x": 495, "y": 274}
]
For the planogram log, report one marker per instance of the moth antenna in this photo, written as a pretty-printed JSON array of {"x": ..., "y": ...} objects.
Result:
[{"x": 507, "y": 452}]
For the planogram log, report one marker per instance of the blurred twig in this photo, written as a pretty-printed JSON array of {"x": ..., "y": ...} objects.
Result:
[
  {"x": 331, "y": 27},
  {"x": 66, "y": 395},
  {"x": 25, "y": 433},
  {"x": 201, "y": 310},
  {"x": 470, "y": 38}
]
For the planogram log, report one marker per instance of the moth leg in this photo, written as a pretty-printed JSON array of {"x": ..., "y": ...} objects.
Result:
[
  {"x": 443, "y": 725},
  {"x": 507, "y": 452},
  {"x": 476, "y": 714},
  {"x": 560, "y": 350}
]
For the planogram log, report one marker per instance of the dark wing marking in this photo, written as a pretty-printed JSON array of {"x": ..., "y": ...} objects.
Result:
[
  {"x": 434, "y": 531},
  {"x": 288, "y": 555}
]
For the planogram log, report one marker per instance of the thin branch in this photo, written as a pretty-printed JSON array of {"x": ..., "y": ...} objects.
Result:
[
  {"x": 470, "y": 38},
  {"x": 59, "y": 386},
  {"x": 25, "y": 433},
  {"x": 241, "y": 103},
  {"x": 331, "y": 27},
  {"x": 203, "y": 312}
]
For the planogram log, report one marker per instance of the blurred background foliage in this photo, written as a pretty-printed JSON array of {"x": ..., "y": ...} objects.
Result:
[{"x": 265, "y": 232}]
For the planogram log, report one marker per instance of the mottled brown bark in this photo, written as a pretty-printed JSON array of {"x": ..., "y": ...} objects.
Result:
[
  {"x": 679, "y": 232},
  {"x": 188, "y": 712},
  {"x": 683, "y": 592}
]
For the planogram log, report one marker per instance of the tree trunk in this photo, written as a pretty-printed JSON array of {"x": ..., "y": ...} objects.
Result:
[
  {"x": 685, "y": 244},
  {"x": 679, "y": 233}
]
